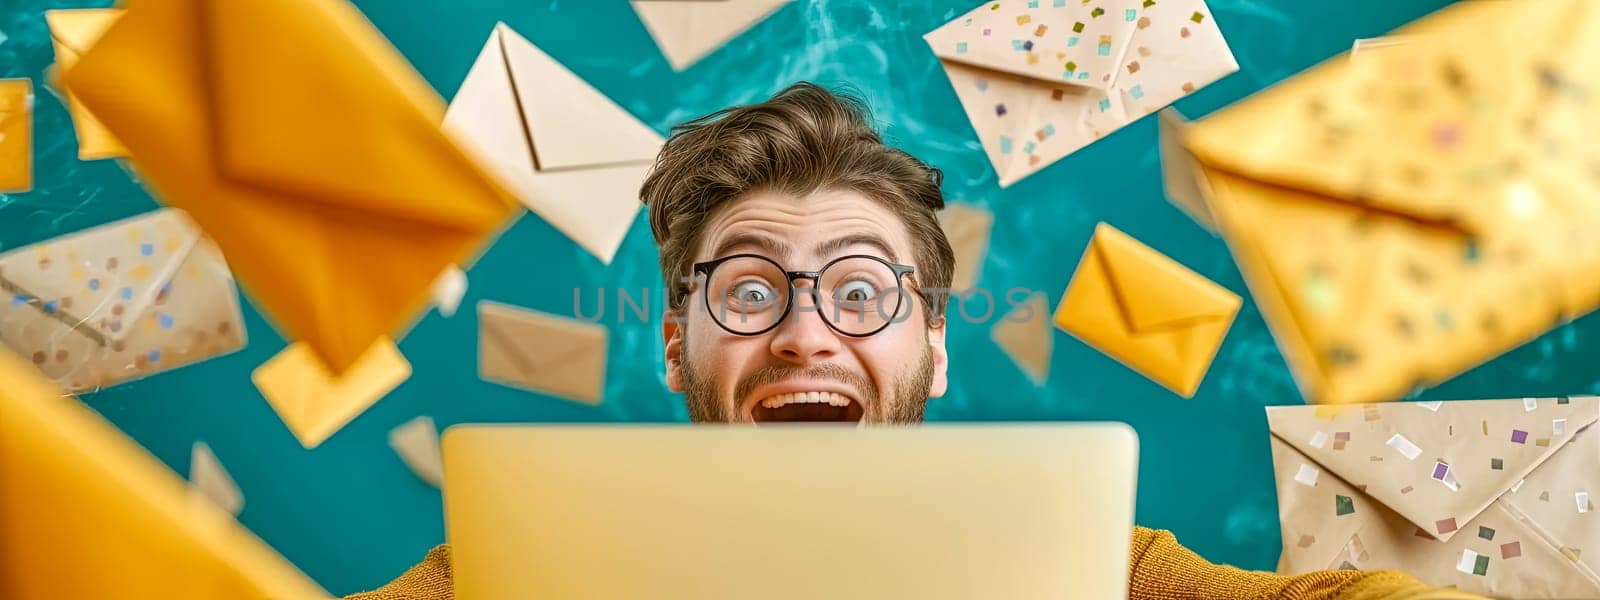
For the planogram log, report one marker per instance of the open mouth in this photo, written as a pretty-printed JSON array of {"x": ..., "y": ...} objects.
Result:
[{"x": 807, "y": 407}]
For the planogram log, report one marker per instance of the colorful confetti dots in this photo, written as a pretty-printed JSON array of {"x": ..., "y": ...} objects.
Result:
[
  {"x": 1485, "y": 533},
  {"x": 1472, "y": 562},
  {"x": 1497, "y": 464},
  {"x": 1197, "y": 17},
  {"x": 1343, "y": 505},
  {"x": 1077, "y": 27},
  {"x": 1000, "y": 110},
  {"x": 1519, "y": 436},
  {"x": 1307, "y": 475},
  {"x": 1510, "y": 550},
  {"x": 961, "y": 48},
  {"x": 1445, "y": 525}
]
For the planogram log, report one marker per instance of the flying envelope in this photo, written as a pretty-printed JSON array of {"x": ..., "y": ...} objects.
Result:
[
  {"x": 688, "y": 30},
  {"x": 565, "y": 150}
]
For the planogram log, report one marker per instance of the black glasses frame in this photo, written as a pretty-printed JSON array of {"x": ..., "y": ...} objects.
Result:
[{"x": 708, "y": 267}]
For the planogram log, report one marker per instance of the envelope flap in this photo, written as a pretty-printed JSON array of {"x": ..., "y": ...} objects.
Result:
[
  {"x": 1149, "y": 286},
  {"x": 1438, "y": 464},
  {"x": 571, "y": 124},
  {"x": 1440, "y": 129},
  {"x": 379, "y": 146},
  {"x": 688, "y": 30},
  {"x": 78, "y": 29},
  {"x": 100, "y": 280},
  {"x": 1069, "y": 41}
]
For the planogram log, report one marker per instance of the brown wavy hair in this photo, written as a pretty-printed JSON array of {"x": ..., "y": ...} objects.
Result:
[{"x": 803, "y": 140}]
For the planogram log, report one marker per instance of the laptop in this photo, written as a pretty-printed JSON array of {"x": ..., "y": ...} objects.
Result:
[{"x": 715, "y": 512}]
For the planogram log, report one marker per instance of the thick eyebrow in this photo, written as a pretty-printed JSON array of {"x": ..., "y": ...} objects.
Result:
[
  {"x": 778, "y": 250},
  {"x": 766, "y": 244},
  {"x": 839, "y": 244}
]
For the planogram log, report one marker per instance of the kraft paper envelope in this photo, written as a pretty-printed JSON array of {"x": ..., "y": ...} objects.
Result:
[
  {"x": 86, "y": 512},
  {"x": 16, "y": 136},
  {"x": 313, "y": 401},
  {"x": 1146, "y": 310},
  {"x": 967, "y": 227},
  {"x": 319, "y": 166},
  {"x": 212, "y": 481},
  {"x": 417, "y": 444},
  {"x": 688, "y": 30},
  {"x": 73, "y": 32},
  {"x": 1493, "y": 497},
  {"x": 1406, "y": 216},
  {"x": 1025, "y": 335},
  {"x": 1041, "y": 83},
  {"x": 119, "y": 302},
  {"x": 566, "y": 151},
  {"x": 541, "y": 352}
]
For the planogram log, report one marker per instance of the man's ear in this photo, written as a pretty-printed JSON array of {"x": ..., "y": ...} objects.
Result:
[
  {"x": 941, "y": 358},
  {"x": 672, "y": 335}
]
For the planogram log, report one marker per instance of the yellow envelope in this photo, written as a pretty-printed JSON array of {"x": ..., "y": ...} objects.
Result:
[
  {"x": 687, "y": 30},
  {"x": 16, "y": 136},
  {"x": 318, "y": 165},
  {"x": 1404, "y": 217},
  {"x": 73, "y": 32},
  {"x": 119, "y": 302},
  {"x": 1146, "y": 310},
  {"x": 541, "y": 352},
  {"x": 1039, "y": 83},
  {"x": 1493, "y": 497},
  {"x": 86, "y": 512},
  {"x": 315, "y": 402},
  {"x": 565, "y": 150}
]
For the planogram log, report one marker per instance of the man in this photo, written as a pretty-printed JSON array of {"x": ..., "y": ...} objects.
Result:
[{"x": 804, "y": 255}]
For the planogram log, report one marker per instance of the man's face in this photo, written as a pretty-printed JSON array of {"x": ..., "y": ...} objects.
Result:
[{"x": 802, "y": 369}]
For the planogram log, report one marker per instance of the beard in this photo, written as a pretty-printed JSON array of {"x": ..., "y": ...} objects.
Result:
[{"x": 905, "y": 403}]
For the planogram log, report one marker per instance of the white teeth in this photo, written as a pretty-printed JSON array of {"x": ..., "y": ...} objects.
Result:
[{"x": 829, "y": 398}]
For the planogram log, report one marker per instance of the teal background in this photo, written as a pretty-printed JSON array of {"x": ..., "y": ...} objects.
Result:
[{"x": 352, "y": 516}]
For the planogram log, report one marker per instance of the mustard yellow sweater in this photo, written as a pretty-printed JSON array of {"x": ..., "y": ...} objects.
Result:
[{"x": 1158, "y": 569}]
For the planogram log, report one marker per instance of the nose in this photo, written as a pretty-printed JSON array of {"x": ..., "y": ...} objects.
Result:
[{"x": 803, "y": 338}]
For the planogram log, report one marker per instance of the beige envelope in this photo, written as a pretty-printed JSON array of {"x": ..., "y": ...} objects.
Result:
[
  {"x": 313, "y": 402},
  {"x": 73, "y": 32},
  {"x": 1490, "y": 496},
  {"x": 416, "y": 442},
  {"x": 541, "y": 352},
  {"x": 1041, "y": 83},
  {"x": 120, "y": 301},
  {"x": 967, "y": 227},
  {"x": 560, "y": 146},
  {"x": 687, "y": 30},
  {"x": 1027, "y": 336},
  {"x": 211, "y": 481},
  {"x": 16, "y": 135},
  {"x": 1181, "y": 177}
]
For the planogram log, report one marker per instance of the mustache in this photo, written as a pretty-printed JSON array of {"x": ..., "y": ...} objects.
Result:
[{"x": 775, "y": 374}]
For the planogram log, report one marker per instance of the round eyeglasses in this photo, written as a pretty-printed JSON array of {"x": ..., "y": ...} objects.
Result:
[{"x": 857, "y": 295}]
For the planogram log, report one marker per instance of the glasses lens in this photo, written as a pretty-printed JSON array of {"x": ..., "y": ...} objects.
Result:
[
  {"x": 860, "y": 295},
  {"x": 747, "y": 294}
]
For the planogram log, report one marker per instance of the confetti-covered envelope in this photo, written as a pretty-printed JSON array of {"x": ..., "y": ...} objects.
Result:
[
  {"x": 1495, "y": 497},
  {"x": 565, "y": 150},
  {"x": 306, "y": 146},
  {"x": 73, "y": 32},
  {"x": 16, "y": 135},
  {"x": 1146, "y": 310},
  {"x": 1041, "y": 79},
  {"x": 687, "y": 30},
  {"x": 119, "y": 302},
  {"x": 1406, "y": 216}
]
